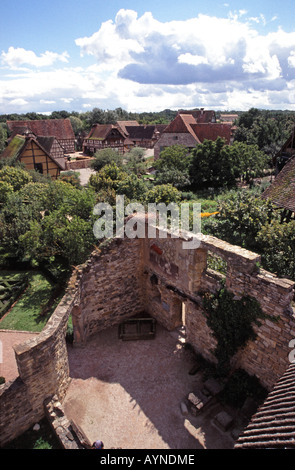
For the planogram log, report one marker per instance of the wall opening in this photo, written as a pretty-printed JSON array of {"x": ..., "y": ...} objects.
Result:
[{"x": 216, "y": 263}]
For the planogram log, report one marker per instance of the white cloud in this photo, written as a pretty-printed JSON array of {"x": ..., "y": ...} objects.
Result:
[
  {"x": 142, "y": 64},
  {"x": 16, "y": 57}
]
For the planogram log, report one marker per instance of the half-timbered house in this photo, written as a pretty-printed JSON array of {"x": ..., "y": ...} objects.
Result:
[
  {"x": 29, "y": 151},
  {"x": 61, "y": 129},
  {"x": 104, "y": 136}
]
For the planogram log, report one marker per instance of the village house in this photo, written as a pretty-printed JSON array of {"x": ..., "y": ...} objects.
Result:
[
  {"x": 104, "y": 136},
  {"x": 61, "y": 129},
  {"x": 285, "y": 153},
  {"x": 29, "y": 151},
  {"x": 144, "y": 136},
  {"x": 282, "y": 191},
  {"x": 192, "y": 128}
]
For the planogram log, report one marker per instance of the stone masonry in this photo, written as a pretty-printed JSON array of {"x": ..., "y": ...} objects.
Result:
[{"x": 158, "y": 276}]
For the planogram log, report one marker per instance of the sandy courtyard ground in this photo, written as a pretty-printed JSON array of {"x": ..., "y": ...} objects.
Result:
[{"x": 129, "y": 394}]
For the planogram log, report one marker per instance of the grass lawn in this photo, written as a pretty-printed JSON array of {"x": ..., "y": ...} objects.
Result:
[{"x": 26, "y": 315}]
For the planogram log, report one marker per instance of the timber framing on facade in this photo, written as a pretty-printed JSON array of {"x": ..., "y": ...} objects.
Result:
[
  {"x": 104, "y": 136},
  {"x": 61, "y": 129},
  {"x": 29, "y": 151}
]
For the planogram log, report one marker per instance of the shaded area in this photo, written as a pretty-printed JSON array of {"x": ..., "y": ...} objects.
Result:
[{"x": 129, "y": 394}]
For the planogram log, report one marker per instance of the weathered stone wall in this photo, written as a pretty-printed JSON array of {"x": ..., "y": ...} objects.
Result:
[
  {"x": 110, "y": 288},
  {"x": 158, "y": 276},
  {"x": 43, "y": 371},
  {"x": 169, "y": 139},
  {"x": 175, "y": 278}
]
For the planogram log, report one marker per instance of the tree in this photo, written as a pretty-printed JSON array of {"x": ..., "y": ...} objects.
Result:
[
  {"x": 241, "y": 216},
  {"x": 164, "y": 193},
  {"x": 107, "y": 178},
  {"x": 276, "y": 243},
  {"x": 132, "y": 187},
  {"x": 105, "y": 157},
  {"x": 17, "y": 177}
]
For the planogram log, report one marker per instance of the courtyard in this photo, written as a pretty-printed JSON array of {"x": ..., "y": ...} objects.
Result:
[{"x": 132, "y": 394}]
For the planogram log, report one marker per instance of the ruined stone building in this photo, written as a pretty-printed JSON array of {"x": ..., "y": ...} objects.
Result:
[{"x": 162, "y": 276}]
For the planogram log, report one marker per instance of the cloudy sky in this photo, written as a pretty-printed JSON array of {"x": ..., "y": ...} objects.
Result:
[{"x": 146, "y": 55}]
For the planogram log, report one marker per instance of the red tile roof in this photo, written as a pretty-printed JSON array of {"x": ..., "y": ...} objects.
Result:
[
  {"x": 182, "y": 124},
  {"x": 211, "y": 131},
  {"x": 59, "y": 128},
  {"x": 282, "y": 191},
  {"x": 273, "y": 426},
  {"x": 102, "y": 131}
]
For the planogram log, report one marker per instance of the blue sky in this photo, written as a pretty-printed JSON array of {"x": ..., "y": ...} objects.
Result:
[{"x": 146, "y": 56}]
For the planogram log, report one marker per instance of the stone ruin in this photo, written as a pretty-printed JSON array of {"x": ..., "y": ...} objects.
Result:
[{"x": 125, "y": 277}]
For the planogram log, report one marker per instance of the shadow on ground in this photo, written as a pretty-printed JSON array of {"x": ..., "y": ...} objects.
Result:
[{"x": 129, "y": 394}]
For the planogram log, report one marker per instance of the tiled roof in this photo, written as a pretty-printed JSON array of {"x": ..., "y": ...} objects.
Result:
[
  {"x": 201, "y": 116},
  {"x": 282, "y": 191},
  {"x": 140, "y": 132},
  {"x": 182, "y": 124},
  {"x": 123, "y": 124},
  {"x": 14, "y": 148},
  {"x": 273, "y": 426},
  {"x": 59, "y": 128},
  {"x": 101, "y": 131},
  {"x": 211, "y": 131},
  {"x": 19, "y": 143}
]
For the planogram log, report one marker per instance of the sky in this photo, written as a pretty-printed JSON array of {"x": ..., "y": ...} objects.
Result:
[{"x": 152, "y": 55}]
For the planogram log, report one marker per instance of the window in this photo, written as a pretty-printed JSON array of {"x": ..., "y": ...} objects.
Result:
[{"x": 39, "y": 167}]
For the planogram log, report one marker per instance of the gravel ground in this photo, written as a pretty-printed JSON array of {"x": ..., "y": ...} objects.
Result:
[{"x": 128, "y": 393}]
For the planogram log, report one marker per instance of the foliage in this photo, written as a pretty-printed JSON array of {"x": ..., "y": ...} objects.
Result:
[
  {"x": 17, "y": 177},
  {"x": 276, "y": 243},
  {"x": 215, "y": 164},
  {"x": 132, "y": 187},
  {"x": 105, "y": 157},
  {"x": 71, "y": 177},
  {"x": 173, "y": 167},
  {"x": 107, "y": 178},
  {"x": 242, "y": 214},
  {"x": 164, "y": 193},
  {"x": 26, "y": 313},
  {"x": 43, "y": 222},
  {"x": 266, "y": 129},
  {"x": 5, "y": 189},
  {"x": 231, "y": 322}
]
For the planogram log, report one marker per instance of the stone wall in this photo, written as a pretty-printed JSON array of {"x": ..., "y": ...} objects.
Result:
[
  {"x": 43, "y": 371},
  {"x": 110, "y": 288},
  {"x": 169, "y": 139},
  {"x": 128, "y": 276},
  {"x": 176, "y": 276}
]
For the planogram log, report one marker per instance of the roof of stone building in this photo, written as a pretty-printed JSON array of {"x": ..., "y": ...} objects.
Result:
[
  {"x": 282, "y": 191},
  {"x": 273, "y": 426},
  {"x": 211, "y": 131},
  {"x": 59, "y": 128},
  {"x": 182, "y": 124}
]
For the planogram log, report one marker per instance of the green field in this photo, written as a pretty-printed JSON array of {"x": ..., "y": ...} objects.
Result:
[{"x": 29, "y": 312}]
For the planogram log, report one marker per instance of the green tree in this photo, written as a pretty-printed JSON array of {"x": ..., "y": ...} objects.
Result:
[
  {"x": 17, "y": 177},
  {"x": 106, "y": 157},
  {"x": 107, "y": 178},
  {"x": 164, "y": 193},
  {"x": 276, "y": 243}
]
